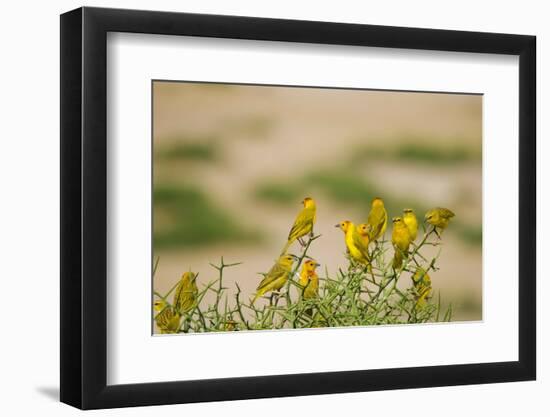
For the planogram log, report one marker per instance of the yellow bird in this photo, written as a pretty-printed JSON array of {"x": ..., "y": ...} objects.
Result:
[
  {"x": 422, "y": 286},
  {"x": 377, "y": 220},
  {"x": 309, "y": 279},
  {"x": 354, "y": 242},
  {"x": 401, "y": 240},
  {"x": 411, "y": 222},
  {"x": 276, "y": 277},
  {"x": 439, "y": 217},
  {"x": 185, "y": 295},
  {"x": 167, "y": 320},
  {"x": 363, "y": 229},
  {"x": 303, "y": 224}
]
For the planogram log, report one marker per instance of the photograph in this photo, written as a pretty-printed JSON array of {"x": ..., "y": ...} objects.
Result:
[
  {"x": 291, "y": 207},
  {"x": 238, "y": 188}
]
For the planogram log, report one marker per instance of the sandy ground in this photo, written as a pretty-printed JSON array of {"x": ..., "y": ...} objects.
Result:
[{"x": 305, "y": 129}]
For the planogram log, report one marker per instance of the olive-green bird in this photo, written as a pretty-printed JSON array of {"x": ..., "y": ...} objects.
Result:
[
  {"x": 439, "y": 217},
  {"x": 377, "y": 220},
  {"x": 401, "y": 240},
  {"x": 277, "y": 276},
  {"x": 422, "y": 286},
  {"x": 167, "y": 320},
  {"x": 185, "y": 295},
  {"x": 411, "y": 222},
  {"x": 303, "y": 224}
]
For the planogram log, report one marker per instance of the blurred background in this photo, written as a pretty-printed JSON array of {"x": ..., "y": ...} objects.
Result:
[{"x": 232, "y": 164}]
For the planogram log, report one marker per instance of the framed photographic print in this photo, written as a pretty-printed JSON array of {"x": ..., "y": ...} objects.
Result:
[{"x": 257, "y": 208}]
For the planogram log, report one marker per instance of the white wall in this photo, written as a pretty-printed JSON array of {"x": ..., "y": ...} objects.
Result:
[{"x": 29, "y": 238}]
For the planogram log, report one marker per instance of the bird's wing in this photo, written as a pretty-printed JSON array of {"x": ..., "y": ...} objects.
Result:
[
  {"x": 446, "y": 213},
  {"x": 303, "y": 220},
  {"x": 376, "y": 220},
  {"x": 178, "y": 295},
  {"x": 164, "y": 317},
  {"x": 276, "y": 272},
  {"x": 371, "y": 218},
  {"x": 360, "y": 244},
  {"x": 184, "y": 295}
]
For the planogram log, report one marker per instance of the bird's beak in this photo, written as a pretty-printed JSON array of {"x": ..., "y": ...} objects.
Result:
[
  {"x": 337, "y": 225},
  {"x": 317, "y": 265}
]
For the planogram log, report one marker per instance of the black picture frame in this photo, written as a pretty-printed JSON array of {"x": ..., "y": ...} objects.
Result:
[{"x": 84, "y": 207}]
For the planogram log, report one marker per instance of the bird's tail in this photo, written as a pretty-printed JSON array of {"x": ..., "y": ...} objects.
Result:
[
  {"x": 259, "y": 293},
  {"x": 421, "y": 301},
  {"x": 397, "y": 259},
  {"x": 368, "y": 268}
]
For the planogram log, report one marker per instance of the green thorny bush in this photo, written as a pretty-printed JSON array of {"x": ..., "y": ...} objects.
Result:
[{"x": 356, "y": 296}]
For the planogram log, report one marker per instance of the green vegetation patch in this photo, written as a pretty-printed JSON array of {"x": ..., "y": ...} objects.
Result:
[
  {"x": 338, "y": 184},
  {"x": 470, "y": 234},
  {"x": 198, "y": 149},
  {"x": 279, "y": 192},
  {"x": 193, "y": 219},
  {"x": 421, "y": 153},
  {"x": 341, "y": 185}
]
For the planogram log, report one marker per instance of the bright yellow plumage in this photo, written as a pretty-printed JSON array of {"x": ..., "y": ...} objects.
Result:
[
  {"x": 411, "y": 222},
  {"x": 276, "y": 277},
  {"x": 167, "y": 320},
  {"x": 439, "y": 217},
  {"x": 303, "y": 224},
  {"x": 363, "y": 230},
  {"x": 377, "y": 220},
  {"x": 422, "y": 286},
  {"x": 401, "y": 240},
  {"x": 309, "y": 279},
  {"x": 354, "y": 242},
  {"x": 185, "y": 295}
]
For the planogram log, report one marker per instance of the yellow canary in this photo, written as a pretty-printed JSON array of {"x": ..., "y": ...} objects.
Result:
[
  {"x": 185, "y": 295},
  {"x": 422, "y": 286},
  {"x": 309, "y": 279},
  {"x": 439, "y": 217},
  {"x": 276, "y": 277},
  {"x": 167, "y": 320},
  {"x": 411, "y": 222},
  {"x": 354, "y": 242},
  {"x": 377, "y": 220},
  {"x": 363, "y": 230},
  {"x": 401, "y": 240},
  {"x": 303, "y": 224}
]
